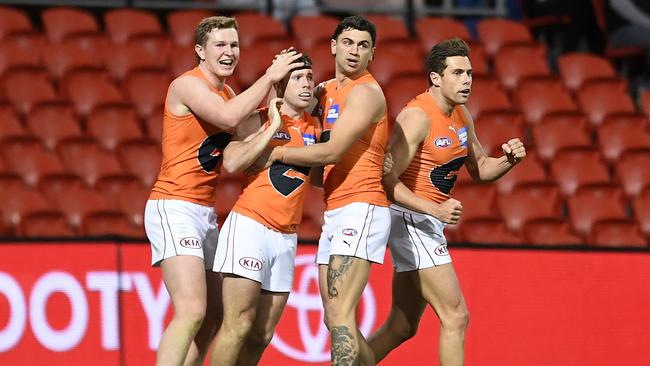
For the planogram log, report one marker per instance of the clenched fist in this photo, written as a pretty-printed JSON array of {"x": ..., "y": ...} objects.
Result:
[
  {"x": 514, "y": 151},
  {"x": 448, "y": 211}
]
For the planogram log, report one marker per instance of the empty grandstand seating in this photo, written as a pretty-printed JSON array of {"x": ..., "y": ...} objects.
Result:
[
  {"x": 45, "y": 225},
  {"x": 432, "y": 30},
  {"x": 13, "y": 21},
  {"x": 126, "y": 24},
  {"x": 550, "y": 232},
  {"x": 617, "y": 233},
  {"x": 182, "y": 25},
  {"x": 487, "y": 96},
  {"x": 86, "y": 158},
  {"x": 478, "y": 200},
  {"x": 27, "y": 89},
  {"x": 641, "y": 208},
  {"x": 601, "y": 98},
  {"x": 489, "y": 231},
  {"x": 90, "y": 89},
  {"x": 313, "y": 30},
  {"x": 530, "y": 202},
  {"x": 530, "y": 170},
  {"x": 10, "y": 125},
  {"x": 538, "y": 98},
  {"x": 61, "y": 22},
  {"x": 620, "y": 133},
  {"x": 141, "y": 158},
  {"x": 560, "y": 131},
  {"x": 495, "y": 129},
  {"x": 594, "y": 203},
  {"x": 112, "y": 125},
  {"x": 515, "y": 64},
  {"x": 27, "y": 157},
  {"x": 495, "y": 33},
  {"x": 53, "y": 123},
  {"x": 577, "y": 68},
  {"x": 578, "y": 167},
  {"x": 632, "y": 171},
  {"x": 258, "y": 28}
]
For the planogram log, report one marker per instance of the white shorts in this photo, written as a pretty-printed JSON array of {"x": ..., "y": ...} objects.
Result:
[
  {"x": 249, "y": 249},
  {"x": 357, "y": 229},
  {"x": 416, "y": 240},
  {"x": 176, "y": 227}
]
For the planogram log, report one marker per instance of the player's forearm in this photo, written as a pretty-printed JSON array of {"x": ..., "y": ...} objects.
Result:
[
  {"x": 491, "y": 169},
  {"x": 239, "y": 155},
  {"x": 312, "y": 155},
  {"x": 400, "y": 194},
  {"x": 239, "y": 107}
]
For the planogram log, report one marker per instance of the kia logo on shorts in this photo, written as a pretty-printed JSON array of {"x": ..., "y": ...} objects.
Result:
[
  {"x": 191, "y": 242},
  {"x": 252, "y": 264},
  {"x": 441, "y": 250},
  {"x": 443, "y": 142},
  {"x": 349, "y": 232}
]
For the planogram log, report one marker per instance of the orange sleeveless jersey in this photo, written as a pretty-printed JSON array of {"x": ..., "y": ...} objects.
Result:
[
  {"x": 357, "y": 176},
  {"x": 274, "y": 197},
  {"x": 192, "y": 154},
  {"x": 435, "y": 165}
]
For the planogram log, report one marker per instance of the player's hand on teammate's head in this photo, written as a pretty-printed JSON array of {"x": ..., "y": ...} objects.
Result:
[
  {"x": 388, "y": 164},
  {"x": 282, "y": 64},
  {"x": 449, "y": 211},
  {"x": 514, "y": 151}
]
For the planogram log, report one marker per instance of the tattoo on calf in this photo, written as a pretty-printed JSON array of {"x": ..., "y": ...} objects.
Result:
[
  {"x": 343, "y": 351},
  {"x": 338, "y": 266}
]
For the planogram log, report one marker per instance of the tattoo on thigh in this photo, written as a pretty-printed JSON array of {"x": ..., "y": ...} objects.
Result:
[
  {"x": 343, "y": 350},
  {"x": 338, "y": 266}
]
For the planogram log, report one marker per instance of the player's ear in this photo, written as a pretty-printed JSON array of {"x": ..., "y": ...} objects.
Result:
[
  {"x": 435, "y": 78},
  {"x": 199, "y": 51},
  {"x": 333, "y": 46}
]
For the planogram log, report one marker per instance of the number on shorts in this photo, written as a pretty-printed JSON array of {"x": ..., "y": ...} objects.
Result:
[
  {"x": 287, "y": 178},
  {"x": 210, "y": 153},
  {"x": 444, "y": 176}
]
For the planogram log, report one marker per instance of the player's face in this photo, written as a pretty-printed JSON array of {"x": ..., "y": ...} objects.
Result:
[
  {"x": 456, "y": 80},
  {"x": 299, "y": 89},
  {"x": 221, "y": 51},
  {"x": 353, "y": 51}
]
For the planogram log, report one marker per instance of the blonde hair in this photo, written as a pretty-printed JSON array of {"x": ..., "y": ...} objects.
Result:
[{"x": 207, "y": 25}]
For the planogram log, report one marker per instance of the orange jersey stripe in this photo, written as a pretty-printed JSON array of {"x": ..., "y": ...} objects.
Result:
[
  {"x": 435, "y": 165},
  {"x": 357, "y": 176},
  {"x": 274, "y": 197},
  {"x": 192, "y": 154}
]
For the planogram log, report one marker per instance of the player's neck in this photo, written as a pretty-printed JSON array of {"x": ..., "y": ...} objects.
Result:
[
  {"x": 343, "y": 79},
  {"x": 290, "y": 111},
  {"x": 445, "y": 106},
  {"x": 213, "y": 79}
]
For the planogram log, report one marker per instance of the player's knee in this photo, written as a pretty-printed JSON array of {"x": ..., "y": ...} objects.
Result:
[
  {"x": 239, "y": 327},
  {"x": 259, "y": 340},
  {"x": 456, "y": 320},
  {"x": 403, "y": 331},
  {"x": 191, "y": 312}
]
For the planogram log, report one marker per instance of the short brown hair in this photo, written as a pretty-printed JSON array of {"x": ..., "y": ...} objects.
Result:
[
  {"x": 437, "y": 59},
  {"x": 207, "y": 25}
]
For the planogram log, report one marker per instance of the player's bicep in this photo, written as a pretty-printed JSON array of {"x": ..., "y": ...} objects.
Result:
[
  {"x": 250, "y": 128},
  {"x": 201, "y": 101},
  {"x": 409, "y": 132}
]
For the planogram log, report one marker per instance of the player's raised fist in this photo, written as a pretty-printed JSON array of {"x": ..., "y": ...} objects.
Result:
[{"x": 514, "y": 151}]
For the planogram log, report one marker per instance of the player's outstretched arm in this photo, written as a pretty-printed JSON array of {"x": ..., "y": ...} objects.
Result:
[
  {"x": 364, "y": 106},
  {"x": 251, "y": 139},
  {"x": 484, "y": 168},
  {"x": 191, "y": 94}
]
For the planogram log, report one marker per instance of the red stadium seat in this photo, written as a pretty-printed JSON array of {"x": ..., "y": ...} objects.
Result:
[
  {"x": 60, "y": 22},
  {"x": 314, "y": 206},
  {"x": 550, "y": 232},
  {"x": 228, "y": 190},
  {"x": 495, "y": 129},
  {"x": 182, "y": 25},
  {"x": 389, "y": 28},
  {"x": 576, "y": 68},
  {"x": 388, "y": 65},
  {"x": 560, "y": 131},
  {"x": 53, "y": 123},
  {"x": 76, "y": 202},
  {"x": 28, "y": 158},
  {"x": 313, "y": 30},
  {"x": 113, "y": 185},
  {"x": 147, "y": 90},
  {"x": 538, "y": 98},
  {"x": 131, "y": 200},
  {"x": 92, "y": 42},
  {"x": 181, "y": 59},
  {"x": 322, "y": 62},
  {"x": 113, "y": 125},
  {"x": 88, "y": 90},
  {"x": 433, "y": 30},
  {"x": 13, "y": 20},
  {"x": 59, "y": 59},
  {"x": 254, "y": 65},
  {"x": 478, "y": 200},
  {"x": 10, "y": 125},
  {"x": 593, "y": 203},
  {"x": 574, "y": 168},
  {"x": 530, "y": 202},
  {"x": 621, "y": 133},
  {"x": 88, "y": 160},
  {"x": 15, "y": 54},
  {"x": 641, "y": 208},
  {"x": 154, "y": 124},
  {"x": 598, "y": 99},
  {"x": 28, "y": 88},
  {"x": 495, "y": 33},
  {"x": 125, "y": 24},
  {"x": 617, "y": 234},
  {"x": 529, "y": 171},
  {"x": 45, "y": 225},
  {"x": 487, "y": 97},
  {"x": 401, "y": 91},
  {"x": 109, "y": 224},
  {"x": 257, "y": 28},
  {"x": 479, "y": 61},
  {"x": 515, "y": 64},
  {"x": 134, "y": 56},
  {"x": 633, "y": 172},
  {"x": 489, "y": 231},
  {"x": 141, "y": 159},
  {"x": 309, "y": 230},
  {"x": 18, "y": 201}
]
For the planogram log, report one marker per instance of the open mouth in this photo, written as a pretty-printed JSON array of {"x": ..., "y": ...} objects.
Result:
[
  {"x": 305, "y": 95},
  {"x": 464, "y": 92},
  {"x": 352, "y": 61},
  {"x": 228, "y": 62}
]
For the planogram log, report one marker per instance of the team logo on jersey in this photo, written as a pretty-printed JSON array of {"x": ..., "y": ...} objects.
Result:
[
  {"x": 462, "y": 136},
  {"x": 282, "y": 135},
  {"x": 308, "y": 139},
  {"x": 251, "y": 264},
  {"x": 349, "y": 232},
  {"x": 441, "y": 250},
  {"x": 332, "y": 114},
  {"x": 443, "y": 142},
  {"x": 191, "y": 242}
]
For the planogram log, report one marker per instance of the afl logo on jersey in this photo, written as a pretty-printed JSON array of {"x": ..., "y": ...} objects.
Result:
[
  {"x": 332, "y": 114},
  {"x": 282, "y": 135},
  {"x": 443, "y": 142}
]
